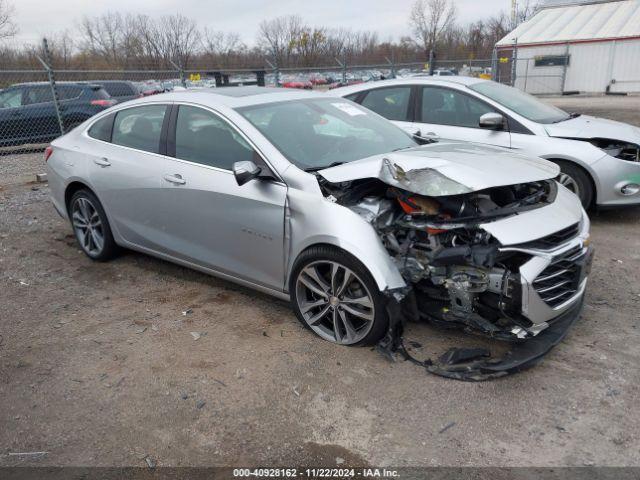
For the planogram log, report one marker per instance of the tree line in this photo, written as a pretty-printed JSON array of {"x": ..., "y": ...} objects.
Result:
[{"x": 135, "y": 41}]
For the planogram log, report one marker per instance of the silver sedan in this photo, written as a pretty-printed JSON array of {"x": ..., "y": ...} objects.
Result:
[{"x": 320, "y": 201}]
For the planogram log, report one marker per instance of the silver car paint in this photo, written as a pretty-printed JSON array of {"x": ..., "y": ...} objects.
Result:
[
  {"x": 303, "y": 216},
  {"x": 551, "y": 142},
  {"x": 473, "y": 166}
]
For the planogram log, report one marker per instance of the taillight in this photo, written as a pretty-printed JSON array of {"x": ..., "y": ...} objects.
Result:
[
  {"x": 47, "y": 152},
  {"x": 103, "y": 103}
]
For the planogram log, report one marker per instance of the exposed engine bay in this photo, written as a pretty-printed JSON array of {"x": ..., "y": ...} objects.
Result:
[{"x": 456, "y": 273}]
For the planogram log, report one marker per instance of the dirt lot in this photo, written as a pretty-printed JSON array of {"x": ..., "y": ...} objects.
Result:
[{"x": 99, "y": 365}]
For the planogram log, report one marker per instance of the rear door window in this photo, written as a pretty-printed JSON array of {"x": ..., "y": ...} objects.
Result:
[
  {"x": 392, "y": 103},
  {"x": 139, "y": 127},
  {"x": 101, "y": 130}
]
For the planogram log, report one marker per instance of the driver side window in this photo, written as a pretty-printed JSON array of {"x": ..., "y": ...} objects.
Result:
[
  {"x": 443, "y": 106},
  {"x": 203, "y": 137}
]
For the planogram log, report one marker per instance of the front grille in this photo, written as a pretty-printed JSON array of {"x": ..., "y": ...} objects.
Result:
[
  {"x": 559, "y": 281},
  {"x": 555, "y": 239}
]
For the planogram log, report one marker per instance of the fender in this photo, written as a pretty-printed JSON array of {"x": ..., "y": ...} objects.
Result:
[{"x": 307, "y": 219}]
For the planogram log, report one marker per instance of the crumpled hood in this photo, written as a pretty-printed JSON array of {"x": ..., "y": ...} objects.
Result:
[
  {"x": 585, "y": 126},
  {"x": 446, "y": 168}
]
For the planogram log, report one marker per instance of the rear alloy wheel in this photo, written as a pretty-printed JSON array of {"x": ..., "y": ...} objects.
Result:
[
  {"x": 91, "y": 226},
  {"x": 336, "y": 297},
  {"x": 577, "y": 181}
]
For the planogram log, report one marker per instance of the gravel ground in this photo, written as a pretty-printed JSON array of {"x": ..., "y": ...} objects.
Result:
[{"x": 101, "y": 366}]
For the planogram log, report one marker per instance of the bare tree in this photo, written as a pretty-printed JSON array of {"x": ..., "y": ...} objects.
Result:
[
  {"x": 497, "y": 28},
  {"x": 526, "y": 10},
  {"x": 278, "y": 36},
  {"x": 221, "y": 47},
  {"x": 309, "y": 45},
  {"x": 7, "y": 27},
  {"x": 180, "y": 38},
  {"x": 429, "y": 19},
  {"x": 102, "y": 36},
  {"x": 62, "y": 49}
]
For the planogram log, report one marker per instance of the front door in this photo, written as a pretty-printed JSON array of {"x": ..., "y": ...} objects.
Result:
[
  {"x": 453, "y": 115},
  {"x": 209, "y": 219}
]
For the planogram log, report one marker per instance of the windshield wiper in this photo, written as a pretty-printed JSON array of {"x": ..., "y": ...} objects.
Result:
[
  {"x": 315, "y": 169},
  {"x": 403, "y": 148}
]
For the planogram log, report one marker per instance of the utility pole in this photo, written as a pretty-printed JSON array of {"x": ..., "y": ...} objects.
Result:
[{"x": 514, "y": 14}]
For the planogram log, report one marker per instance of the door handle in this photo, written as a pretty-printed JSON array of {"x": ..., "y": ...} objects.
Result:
[
  {"x": 177, "y": 179},
  {"x": 103, "y": 162}
]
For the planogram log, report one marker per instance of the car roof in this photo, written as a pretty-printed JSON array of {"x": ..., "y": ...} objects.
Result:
[
  {"x": 40, "y": 84},
  {"x": 232, "y": 97},
  {"x": 100, "y": 82},
  {"x": 413, "y": 80}
]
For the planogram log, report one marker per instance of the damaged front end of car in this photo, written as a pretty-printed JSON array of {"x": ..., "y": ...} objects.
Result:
[{"x": 448, "y": 241}]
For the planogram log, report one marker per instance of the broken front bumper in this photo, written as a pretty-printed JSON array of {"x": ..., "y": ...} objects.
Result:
[
  {"x": 480, "y": 366},
  {"x": 477, "y": 364}
]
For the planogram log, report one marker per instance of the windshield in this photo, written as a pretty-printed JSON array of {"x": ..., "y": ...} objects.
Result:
[
  {"x": 317, "y": 133},
  {"x": 520, "y": 102}
]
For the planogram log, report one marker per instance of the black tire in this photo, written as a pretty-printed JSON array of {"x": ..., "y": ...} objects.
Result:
[
  {"x": 319, "y": 254},
  {"x": 578, "y": 180},
  {"x": 109, "y": 248}
]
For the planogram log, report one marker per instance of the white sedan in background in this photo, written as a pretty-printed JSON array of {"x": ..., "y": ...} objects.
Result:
[{"x": 599, "y": 159}]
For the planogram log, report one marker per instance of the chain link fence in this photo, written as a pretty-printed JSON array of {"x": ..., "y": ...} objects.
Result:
[{"x": 39, "y": 105}]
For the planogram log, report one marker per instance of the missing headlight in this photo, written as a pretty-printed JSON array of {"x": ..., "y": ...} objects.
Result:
[{"x": 615, "y": 148}]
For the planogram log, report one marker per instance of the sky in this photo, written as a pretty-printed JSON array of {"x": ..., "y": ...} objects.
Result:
[{"x": 38, "y": 18}]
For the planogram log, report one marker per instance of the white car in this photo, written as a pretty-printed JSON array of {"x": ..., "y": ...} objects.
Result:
[{"x": 599, "y": 159}]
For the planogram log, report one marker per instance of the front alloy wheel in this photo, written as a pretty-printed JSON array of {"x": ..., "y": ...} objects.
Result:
[
  {"x": 335, "y": 302},
  {"x": 577, "y": 181}
]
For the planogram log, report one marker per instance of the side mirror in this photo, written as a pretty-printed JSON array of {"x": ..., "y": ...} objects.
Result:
[
  {"x": 492, "y": 121},
  {"x": 245, "y": 171}
]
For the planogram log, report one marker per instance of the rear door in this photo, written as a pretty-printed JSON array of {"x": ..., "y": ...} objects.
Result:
[
  {"x": 126, "y": 166},
  {"x": 209, "y": 219},
  {"x": 452, "y": 114}
]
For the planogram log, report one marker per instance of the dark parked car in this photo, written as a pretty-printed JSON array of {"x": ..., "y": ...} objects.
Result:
[
  {"x": 27, "y": 111},
  {"x": 119, "y": 89}
]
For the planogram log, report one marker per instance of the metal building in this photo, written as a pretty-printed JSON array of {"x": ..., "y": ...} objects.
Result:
[{"x": 591, "y": 46}]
